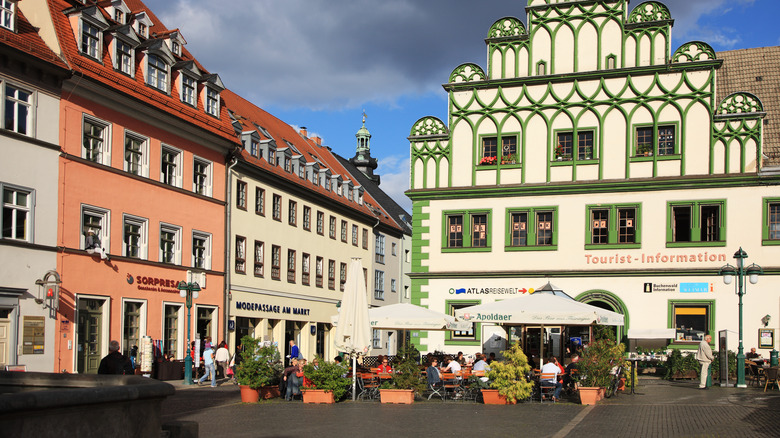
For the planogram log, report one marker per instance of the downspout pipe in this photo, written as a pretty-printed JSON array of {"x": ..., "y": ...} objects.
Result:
[{"x": 232, "y": 161}]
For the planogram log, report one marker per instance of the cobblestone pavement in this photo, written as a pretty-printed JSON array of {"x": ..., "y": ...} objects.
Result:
[{"x": 660, "y": 409}]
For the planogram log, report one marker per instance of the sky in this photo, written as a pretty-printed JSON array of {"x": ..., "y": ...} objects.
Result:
[{"x": 322, "y": 63}]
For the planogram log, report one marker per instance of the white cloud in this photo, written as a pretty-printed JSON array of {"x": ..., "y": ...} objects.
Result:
[{"x": 394, "y": 171}]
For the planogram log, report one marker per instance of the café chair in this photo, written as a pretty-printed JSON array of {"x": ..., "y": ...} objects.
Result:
[
  {"x": 453, "y": 387},
  {"x": 771, "y": 377},
  {"x": 546, "y": 392},
  {"x": 437, "y": 390},
  {"x": 368, "y": 386}
]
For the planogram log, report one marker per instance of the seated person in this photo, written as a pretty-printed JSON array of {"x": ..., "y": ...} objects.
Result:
[
  {"x": 452, "y": 366},
  {"x": 570, "y": 378},
  {"x": 433, "y": 375},
  {"x": 752, "y": 354},
  {"x": 491, "y": 357},
  {"x": 461, "y": 359},
  {"x": 93, "y": 246},
  {"x": 551, "y": 368},
  {"x": 384, "y": 367},
  {"x": 480, "y": 364}
]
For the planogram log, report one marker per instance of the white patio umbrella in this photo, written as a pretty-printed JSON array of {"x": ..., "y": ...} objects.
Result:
[
  {"x": 539, "y": 308},
  {"x": 405, "y": 316},
  {"x": 353, "y": 335}
]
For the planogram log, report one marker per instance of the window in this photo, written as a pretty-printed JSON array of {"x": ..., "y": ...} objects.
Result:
[
  {"x": 658, "y": 140},
  {"x": 392, "y": 285},
  {"x": 254, "y": 148},
  {"x": 277, "y": 205},
  {"x": 201, "y": 250},
  {"x": 475, "y": 236},
  {"x": 697, "y": 223},
  {"x": 240, "y": 256},
  {"x": 509, "y": 150},
  {"x": 354, "y": 235},
  {"x": 489, "y": 150},
  {"x": 17, "y": 110},
  {"x": 379, "y": 285},
  {"x": 574, "y": 145},
  {"x": 170, "y": 244},
  {"x": 305, "y": 267},
  {"x": 532, "y": 229},
  {"x": 125, "y": 57},
  {"x": 96, "y": 220},
  {"x": 292, "y": 213},
  {"x": 276, "y": 262},
  {"x": 306, "y": 218},
  {"x": 134, "y": 239},
  {"x": 136, "y": 154},
  {"x": 379, "y": 248},
  {"x": 7, "y": 15},
  {"x": 132, "y": 325},
  {"x": 318, "y": 272},
  {"x": 332, "y": 228},
  {"x": 119, "y": 16},
  {"x": 241, "y": 195},
  {"x": 462, "y": 335},
  {"x": 188, "y": 86},
  {"x": 365, "y": 238},
  {"x": 259, "y": 254},
  {"x": 171, "y": 330},
  {"x": 320, "y": 223},
  {"x": 691, "y": 319},
  {"x": 260, "y": 201},
  {"x": 17, "y": 213},
  {"x": 771, "y": 221},
  {"x": 342, "y": 276},
  {"x": 91, "y": 40},
  {"x": 344, "y": 231},
  {"x": 376, "y": 338},
  {"x": 95, "y": 140},
  {"x": 201, "y": 177},
  {"x": 157, "y": 72},
  {"x": 332, "y": 274},
  {"x": 291, "y": 256},
  {"x": 613, "y": 226},
  {"x": 170, "y": 167},
  {"x": 142, "y": 29},
  {"x": 212, "y": 102},
  {"x": 393, "y": 250}
]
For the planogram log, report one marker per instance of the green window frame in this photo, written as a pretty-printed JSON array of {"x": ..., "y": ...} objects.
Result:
[
  {"x": 541, "y": 229},
  {"x": 466, "y": 231},
  {"x": 456, "y": 337},
  {"x": 612, "y": 226},
  {"x": 696, "y": 223},
  {"x": 659, "y": 139},
  {"x": 499, "y": 149},
  {"x": 770, "y": 224},
  {"x": 575, "y": 145},
  {"x": 691, "y": 308}
]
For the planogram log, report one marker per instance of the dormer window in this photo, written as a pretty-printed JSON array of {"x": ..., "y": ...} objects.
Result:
[
  {"x": 119, "y": 16},
  {"x": 143, "y": 30},
  {"x": 188, "y": 86},
  {"x": 212, "y": 102},
  {"x": 176, "y": 48},
  {"x": 272, "y": 156},
  {"x": 7, "y": 14},
  {"x": 157, "y": 72},
  {"x": 91, "y": 40},
  {"x": 125, "y": 57}
]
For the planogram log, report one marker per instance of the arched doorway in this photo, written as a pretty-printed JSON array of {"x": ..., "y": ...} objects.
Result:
[{"x": 608, "y": 301}]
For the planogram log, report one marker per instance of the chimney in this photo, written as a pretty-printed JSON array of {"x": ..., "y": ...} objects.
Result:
[
  {"x": 317, "y": 139},
  {"x": 304, "y": 132}
]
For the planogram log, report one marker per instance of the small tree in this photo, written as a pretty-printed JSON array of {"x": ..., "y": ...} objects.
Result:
[
  {"x": 407, "y": 373},
  {"x": 261, "y": 365},
  {"x": 329, "y": 376},
  {"x": 509, "y": 376},
  {"x": 597, "y": 362}
]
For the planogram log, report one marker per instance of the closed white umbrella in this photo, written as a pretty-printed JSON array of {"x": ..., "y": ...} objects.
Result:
[{"x": 353, "y": 334}]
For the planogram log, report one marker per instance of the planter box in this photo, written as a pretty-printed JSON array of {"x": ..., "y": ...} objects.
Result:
[
  {"x": 249, "y": 395},
  {"x": 589, "y": 395},
  {"x": 318, "y": 396},
  {"x": 400, "y": 396},
  {"x": 268, "y": 392},
  {"x": 492, "y": 397},
  {"x": 690, "y": 374}
]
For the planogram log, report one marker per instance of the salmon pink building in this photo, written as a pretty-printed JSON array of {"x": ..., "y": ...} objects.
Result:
[{"x": 144, "y": 141}]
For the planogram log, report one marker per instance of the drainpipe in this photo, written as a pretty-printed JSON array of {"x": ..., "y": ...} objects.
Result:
[{"x": 226, "y": 299}]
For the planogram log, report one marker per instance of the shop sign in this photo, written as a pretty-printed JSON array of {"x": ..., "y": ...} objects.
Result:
[
  {"x": 696, "y": 287},
  {"x": 658, "y": 258},
  {"x": 270, "y": 308},
  {"x": 154, "y": 284},
  {"x": 490, "y": 291}
]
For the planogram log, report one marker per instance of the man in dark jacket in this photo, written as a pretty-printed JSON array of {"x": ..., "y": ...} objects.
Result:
[{"x": 115, "y": 362}]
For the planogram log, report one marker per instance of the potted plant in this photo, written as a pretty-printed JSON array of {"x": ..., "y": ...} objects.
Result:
[
  {"x": 509, "y": 159},
  {"x": 508, "y": 378},
  {"x": 645, "y": 149},
  {"x": 488, "y": 161},
  {"x": 595, "y": 368},
  {"x": 328, "y": 383},
  {"x": 407, "y": 380},
  {"x": 261, "y": 366}
]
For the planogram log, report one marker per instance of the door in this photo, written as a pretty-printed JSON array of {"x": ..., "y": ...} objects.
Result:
[
  {"x": 89, "y": 336},
  {"x": 5, "y": 328}
]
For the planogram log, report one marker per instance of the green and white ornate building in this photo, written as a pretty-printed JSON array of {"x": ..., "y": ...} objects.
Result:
[{"x": 593, "y": 155}]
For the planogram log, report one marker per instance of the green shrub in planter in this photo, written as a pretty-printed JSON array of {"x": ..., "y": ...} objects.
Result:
[
  {"x": 509, "y": 376},
  {"x": 261, "y": 365},
  {"x": 597, "y": 362},
  {"x": 329, "y": 377},
  {"x": 406, "y": 370}
]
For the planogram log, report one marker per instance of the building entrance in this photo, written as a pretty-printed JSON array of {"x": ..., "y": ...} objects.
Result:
[{"x": 90, "y": 336}]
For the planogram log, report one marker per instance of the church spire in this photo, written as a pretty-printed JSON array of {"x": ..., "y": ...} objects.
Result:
[{"x": 362, "y": 159}]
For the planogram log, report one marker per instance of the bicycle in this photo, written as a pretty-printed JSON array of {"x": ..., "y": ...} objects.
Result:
[{"x": 613, "y": 385}]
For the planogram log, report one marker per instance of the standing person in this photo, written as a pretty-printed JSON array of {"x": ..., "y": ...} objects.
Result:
[
  {"x": 704, "y": 356},
  {"x": 291, "y": 380},
  {"x": 115, "y": 362},
  {"x": 222, "y": 357},
  {"x": 294, "y": 353},
  {"x": 208, "y": 363}
]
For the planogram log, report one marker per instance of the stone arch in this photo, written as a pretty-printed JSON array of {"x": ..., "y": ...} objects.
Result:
[{"x": 609, "y": 301}]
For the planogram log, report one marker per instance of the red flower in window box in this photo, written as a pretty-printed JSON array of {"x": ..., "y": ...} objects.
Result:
[{"x": 488, "y": 161}]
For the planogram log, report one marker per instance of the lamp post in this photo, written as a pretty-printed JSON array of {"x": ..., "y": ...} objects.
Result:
[
  {"x": 728, "y": 272},
  {"x": 188, "y": 291}
]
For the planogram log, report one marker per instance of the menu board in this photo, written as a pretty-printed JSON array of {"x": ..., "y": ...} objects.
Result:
[{"x": 33, "y": 334}]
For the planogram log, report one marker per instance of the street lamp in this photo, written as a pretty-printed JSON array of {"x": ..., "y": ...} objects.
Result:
[
  {"x": 189, "y": 291},
  {"x": 728, "y": 272}
]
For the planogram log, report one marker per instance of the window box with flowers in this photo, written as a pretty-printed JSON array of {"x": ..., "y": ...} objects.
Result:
[
  {"x": 561, "y": 154},
  {"x": 488, "y": 161},
  {"x": 509, "y": 159}
]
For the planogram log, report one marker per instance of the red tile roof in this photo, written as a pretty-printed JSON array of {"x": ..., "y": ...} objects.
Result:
[
  {"x": 27, "y": 39},
  {"x": 248, "y": 114},
  {"x": 135, "y": 87}
]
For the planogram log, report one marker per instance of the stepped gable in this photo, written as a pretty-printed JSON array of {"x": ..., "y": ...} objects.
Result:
[
  {"x": 248, "y": 115},
  {"x": 755, "y": 71},
  {"x": 104, "y": 72}
]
